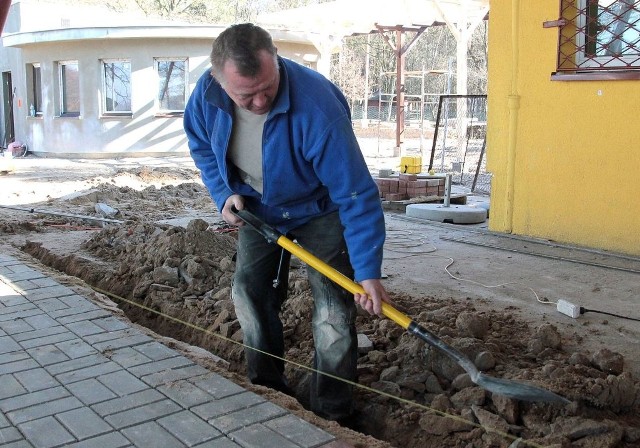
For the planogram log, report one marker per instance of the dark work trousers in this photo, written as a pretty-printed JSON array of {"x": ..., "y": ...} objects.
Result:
[{"x": 258, "y": 303}]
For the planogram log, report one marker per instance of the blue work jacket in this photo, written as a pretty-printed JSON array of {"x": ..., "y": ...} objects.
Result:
[{"x": 311, "y": 162}]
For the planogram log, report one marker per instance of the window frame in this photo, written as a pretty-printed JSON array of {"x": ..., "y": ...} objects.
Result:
[
  {"x": 35, "y": 93},
  {"x": 161, "y": 111},
  {"x": 63, "y": 89},
  {"x": 105, "y": 112}
]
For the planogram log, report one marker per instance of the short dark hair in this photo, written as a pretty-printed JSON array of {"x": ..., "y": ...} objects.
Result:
[{"x": 241, "y": 44}]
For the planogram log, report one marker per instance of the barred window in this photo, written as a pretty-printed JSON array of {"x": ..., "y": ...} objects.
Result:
[{"x": 599, "y": 36}]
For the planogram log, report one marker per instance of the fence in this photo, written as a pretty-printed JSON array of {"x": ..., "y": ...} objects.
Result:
[{"x": 449, "y": 131}]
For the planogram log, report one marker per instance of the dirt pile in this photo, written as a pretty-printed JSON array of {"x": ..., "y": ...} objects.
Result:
[{"x": 182, "y": 278}]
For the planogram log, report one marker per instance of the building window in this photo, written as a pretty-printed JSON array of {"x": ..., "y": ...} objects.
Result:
[
  {"x": 69, "y": 86},
  {"x": 35, "y": 95},
  {"x": 116, "y": 87},
  {"x": 172, "y": 84},
  {"x": 599, "y": 36}
]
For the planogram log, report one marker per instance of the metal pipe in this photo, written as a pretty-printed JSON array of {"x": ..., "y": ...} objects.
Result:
[
  {"x": 68, "y": 215},
  {"x": 447, "y": 190}
]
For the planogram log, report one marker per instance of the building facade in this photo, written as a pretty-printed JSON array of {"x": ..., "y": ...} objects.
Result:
[
  {"x": 93, "y": 84},
  {"x": 563, "y": 140}
]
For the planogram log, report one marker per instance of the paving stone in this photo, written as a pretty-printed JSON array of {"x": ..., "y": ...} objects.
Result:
[
  {"x": 12, "y": 299},
  {"x": 151, "y": 434},
  {"x": 14, "y": 327},
  {"x": 159, "y": 366},
  {"x": 45, "y": 281},
  {"x": 25, "y": 285},
  {"x": 84, "y": 328},
  {"x": 46, "y": 432},
  {"x": 245, "y": 417},
  {"x": 78, "y": 301},
  {"x": 88, "y": 372},
  {"x": 185, "y": 394},
  {"x": 48, "y": 292},
  {"x": 3, "y": 421},
  {"x": 36, "y": 379},
  {"x": 19, "y": 312},
  {"x": 27, "y": 274},
  {"x": 221, "y": 442},
  {"x": 156, "y": 351},
  {"x": 142, "y": 414},
  {"x": 83, "y": 314},
  {"x": 122, "y": 382},
  {"x": 83, "y": 423},
  {"x": 109, "y": 335},
  {"x": 188, "y": 428},
  {"x": 111, "y": 324},
  {"x": 47, "y": 354},
  {"x": 41, "y": 321},
  {"x": 217, "y": 385},
  {"x": 129, "y": 357},
  {"x": 169, "y": 376},
  {"x": 128, "y": 402},
  {"x": 49, "y": 339},
  {"x": 43, "y": 410},
  {"x": 91, "y": 391},
  {"x": 130, "y": 341},
  {"x": 226, "y": 405},
  {"x": 299, "y": 431},
  {"x": 10, "y": 387},
  {"x": 110, "y": 440},
  {"x": 259, "y": 436},
  {"x": 33, "y": 398},
  {"x": 7, "y": 344},
  {"x": 40, "y": 334},
  {"x": 8, "y": 435},
  {"x": 48, "y": 305},
  {"x": 19, "y": 444},
  {"x": 76, "y": 348},
  {"x": 78, "y": 363},
  {"x": 17, "y": 366}
]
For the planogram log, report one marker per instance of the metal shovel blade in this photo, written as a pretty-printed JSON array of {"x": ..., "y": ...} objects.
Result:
[{"x": 508, "y": 388}]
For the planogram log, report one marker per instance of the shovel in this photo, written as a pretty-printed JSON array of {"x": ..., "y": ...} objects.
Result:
[{"x": 508, "y": 388}]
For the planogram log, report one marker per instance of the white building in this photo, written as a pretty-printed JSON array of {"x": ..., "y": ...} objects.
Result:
[{"x": 85, "y": 82}]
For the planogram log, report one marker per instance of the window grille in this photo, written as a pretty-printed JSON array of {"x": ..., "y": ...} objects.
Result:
[{"x": 598, "y": 35}]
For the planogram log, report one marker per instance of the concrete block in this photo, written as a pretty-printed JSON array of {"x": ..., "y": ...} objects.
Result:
[
  {"x": 36, "y": 379},
  {"x": 122, "y": 382},
  {"x": 209, "y": 411},
  {"x": 45, "y": 409},
  {"x": 259, "y": 436},
  {"x": 217, "y": 386}
]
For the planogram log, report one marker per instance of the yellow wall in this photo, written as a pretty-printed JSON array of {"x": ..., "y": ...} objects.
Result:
[{"x": 565, "y": 155}]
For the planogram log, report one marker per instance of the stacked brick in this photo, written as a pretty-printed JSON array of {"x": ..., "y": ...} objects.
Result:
[{"x": 407, "y": 186}]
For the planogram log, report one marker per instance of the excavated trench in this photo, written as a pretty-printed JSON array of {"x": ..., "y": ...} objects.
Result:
[{"x": 185, "y": 273}]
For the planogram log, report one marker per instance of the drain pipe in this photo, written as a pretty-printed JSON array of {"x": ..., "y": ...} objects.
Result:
[
  {"x": 514, "y": 110},
  {"x": 67, "y": 215}
]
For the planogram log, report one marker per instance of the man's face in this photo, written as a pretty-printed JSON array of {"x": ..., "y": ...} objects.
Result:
[{"x": 255, "y": 94}]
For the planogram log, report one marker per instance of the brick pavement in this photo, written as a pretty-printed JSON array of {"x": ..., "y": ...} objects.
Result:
[{"x": 72, "y": 374}]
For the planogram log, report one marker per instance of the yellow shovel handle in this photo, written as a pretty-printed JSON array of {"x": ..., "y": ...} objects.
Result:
[{"x": 389, "y": 311}]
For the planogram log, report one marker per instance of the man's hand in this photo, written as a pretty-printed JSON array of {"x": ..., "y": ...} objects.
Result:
[
  {"x": 375, "y": 295},
  {"x": 237, "y": 201}
]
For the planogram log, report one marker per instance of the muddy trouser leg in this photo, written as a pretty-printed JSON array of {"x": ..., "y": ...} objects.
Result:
[
  {"x": 257, "y": 304},
  {"x": 334, "y": 313}
]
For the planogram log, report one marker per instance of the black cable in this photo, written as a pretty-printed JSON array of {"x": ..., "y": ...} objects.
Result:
[{"x": 585, "y": 310}]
